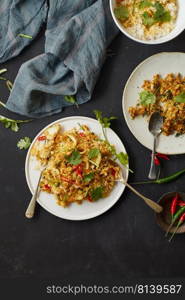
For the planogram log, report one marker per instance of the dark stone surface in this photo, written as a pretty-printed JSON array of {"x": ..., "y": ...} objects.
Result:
[{"x": 125, "y": 242}]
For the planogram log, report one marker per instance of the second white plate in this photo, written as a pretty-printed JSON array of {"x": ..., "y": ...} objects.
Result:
[{"x": 163, "y": 64}]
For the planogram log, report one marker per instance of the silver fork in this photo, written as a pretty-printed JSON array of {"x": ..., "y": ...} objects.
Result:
[{"x": 31, "y": 207}]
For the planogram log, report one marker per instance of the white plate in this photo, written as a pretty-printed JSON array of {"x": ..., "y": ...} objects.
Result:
[
  {"x": 86, "y": 210},
  {"x": 163, "y": 64}
]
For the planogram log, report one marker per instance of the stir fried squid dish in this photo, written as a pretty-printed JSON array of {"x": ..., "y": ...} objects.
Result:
[
  {"x": 166, "y": 95},
  {"x": 79, "y": 165}
]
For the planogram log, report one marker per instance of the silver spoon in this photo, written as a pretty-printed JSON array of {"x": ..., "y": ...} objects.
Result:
[
  {"x": 31, "y": 207},
  {"x": 154, "y": 126},
  {"x": 155, "y": 206}
]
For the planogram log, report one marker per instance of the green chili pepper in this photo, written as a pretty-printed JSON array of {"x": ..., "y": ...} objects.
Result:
[
  {"x": 165, "y": 179},
  {"x": 175, "y": 218}
]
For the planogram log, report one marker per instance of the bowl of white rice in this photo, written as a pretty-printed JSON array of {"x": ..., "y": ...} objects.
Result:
[{"x": 149, "y": 21}]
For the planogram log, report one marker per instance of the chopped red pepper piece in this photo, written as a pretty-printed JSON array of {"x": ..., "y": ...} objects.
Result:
[
  {"x": 41, "y": 138},
  {"x": 113, "y": 172},
  {"x": 47, "y": 187},
  {"x": 78, "y": 169},
  {"x": 82, "y": 134},
  {"x": 89, "y": 199}
]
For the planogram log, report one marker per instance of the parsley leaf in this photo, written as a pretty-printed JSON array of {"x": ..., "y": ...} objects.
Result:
[
  {"x": 180, "y": 98},
  {"x": 74, "y": 158},
  {"x": 12, "y": 124},
  {"x": 24, "y": 143},
  {"x": 144, "y": 4},
  {"x": 147, "y": 98},
  {"x": 121, "y": 12},
  {"x": 123, "y": 158},
  {"x": 93, "y": 153},
  {"x": 97, "y": 193},
  {"x": 88, "y": 177},
  {"x": 71, "y": 99}
]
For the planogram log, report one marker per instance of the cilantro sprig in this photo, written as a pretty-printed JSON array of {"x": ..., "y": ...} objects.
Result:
[
  {"x": 74, "y": 158},
  {"x": 121, "y": 12},
  {"x": 105, "y": 123},
  {"x": 12, "y": 124},
  {"x": 94, "y": 152},
  {"x": 97, "y": 193},
  {"x": 160, "y": 15},
  {"x": 24, "y": 143},
  {"x": 180, "y": 98},
  {"x": 88, "y": 177}
]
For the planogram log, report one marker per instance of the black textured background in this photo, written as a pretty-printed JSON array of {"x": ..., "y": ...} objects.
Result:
[{"x": 125, "y": 242}]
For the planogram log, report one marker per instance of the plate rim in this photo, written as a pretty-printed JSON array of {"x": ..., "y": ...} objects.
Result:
[
  {"x": 90, "y": 216},
  {"x": 124, "y": 92}
]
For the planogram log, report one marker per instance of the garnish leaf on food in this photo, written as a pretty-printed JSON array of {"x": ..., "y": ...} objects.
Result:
[
  {"x": 88, "y": 177},
  {"x": 71, "y": 99},
  {"x": 123, "y": 158},
  {"x": 180, "y": 98},
  {"x": 74, "y": 158},
  {"x": 27, "y": 36},
  {"x": 97, "y": 193},
  {"x": 106, "y": 122},
  {"x": 144, "y": 4},
  {"x": 24, "y": 143},
  {"x": 147, "y": 19},
  {"x": 161, "y": 15},
  {"x": 93, "y": 153},
  {"x": 121, "y": 12},
  {"x": 147, "y": 98},
  {"x": 12, "y": 124}
]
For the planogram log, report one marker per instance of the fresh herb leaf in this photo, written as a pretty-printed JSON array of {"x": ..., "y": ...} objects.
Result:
[
  {"x": 97, "y": 193},
  {"x": 27, "y": 36},
  {"x": 3, "y": 71},
  {"x": 123, "y": 158},
  {"x": 71, "y": 99},
  {"x": 12, "y": 124},
  {"x": 144, "y": 4},
  {"x": 93, "y": 153},
  {"x": 74, "y": 158},
  {"x": 87, "y": 178},
  {"x": 121, "y": 12},
  {"x": 24, "y": 143},
  {"x": 147, "y": 19},
  {"x": 147, "y": 98},
  {"x": 180, "y": 98},
  {"x": 104, "y": 121},
  {"x": 161, "y": 15}
]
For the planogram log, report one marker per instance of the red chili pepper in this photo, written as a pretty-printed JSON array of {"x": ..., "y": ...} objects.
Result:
[
  {"x": 82, "y": 134},
  {"x": 156, "y": 161},
  {"x": 174, "y": 203},
  {"x": 181, "y": 221},
  {"x": 181, "y": 203},
  {"x": 47, "y": 187},
  {"x": 78, "y": 169},
  {"x": 41, "y": 138},
  {"x": 113, "y": 172},
  {"x": 164, "y": 156}
]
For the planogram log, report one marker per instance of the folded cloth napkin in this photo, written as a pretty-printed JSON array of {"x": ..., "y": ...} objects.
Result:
[{"x": 77, "y": 35}]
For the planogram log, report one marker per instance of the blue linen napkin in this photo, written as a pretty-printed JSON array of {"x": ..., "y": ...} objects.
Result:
[{"x": 77, "y": 35}]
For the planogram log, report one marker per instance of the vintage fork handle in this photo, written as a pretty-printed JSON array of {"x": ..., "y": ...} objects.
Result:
[
  {"x": 31, "y": 207},
  {"x": 153, "y": 168}
]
